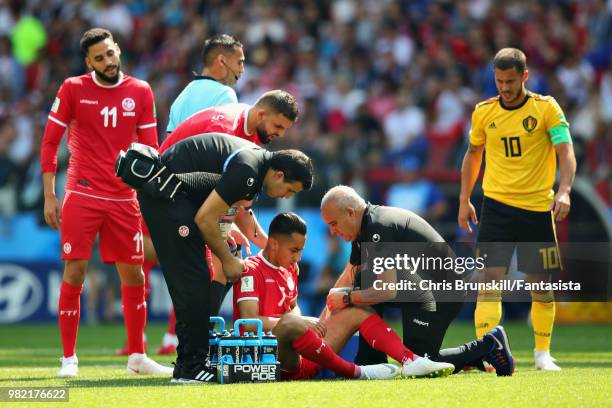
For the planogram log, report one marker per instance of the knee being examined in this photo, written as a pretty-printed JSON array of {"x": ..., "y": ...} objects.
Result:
[{"x": 289, "y": 328}]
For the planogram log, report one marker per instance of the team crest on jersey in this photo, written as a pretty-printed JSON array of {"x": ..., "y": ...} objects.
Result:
[
  {"x": 128, "y": 104},
  {"x": 183, "y": 231},
  {"x": 67, "y": 248},
  {"x": 530, "y": 123},
  {"x": 290, "y": 283}
]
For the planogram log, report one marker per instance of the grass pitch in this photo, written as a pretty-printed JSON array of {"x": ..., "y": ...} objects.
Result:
[{"x": 29, "y": 358}]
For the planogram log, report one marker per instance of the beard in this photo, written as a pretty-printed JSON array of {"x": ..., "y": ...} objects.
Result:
[
  {"x": 263, "y": 136},
  {"x": 110, "y": 79},
  {"x": 513, "y": 98}
]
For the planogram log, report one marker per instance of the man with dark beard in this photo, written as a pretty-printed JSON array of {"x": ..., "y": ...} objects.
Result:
[
  {"x": 269, "y": 118},
  {"x": 104, "y": 112}
]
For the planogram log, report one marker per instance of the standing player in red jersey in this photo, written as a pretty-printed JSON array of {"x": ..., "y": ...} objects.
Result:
[
  {"x": 269, "y": 118},
  {"x": 267, "y": 290},
  {"x": 104, "y": 111}
]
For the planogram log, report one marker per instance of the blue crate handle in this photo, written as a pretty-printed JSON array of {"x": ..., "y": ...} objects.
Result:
[
  {"x": 241, "y": 322},
  {"x": 220, "y": 320}
]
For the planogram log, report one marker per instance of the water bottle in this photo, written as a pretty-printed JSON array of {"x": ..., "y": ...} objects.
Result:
[
  {"x": 229, "y": 348},
  {"x": 269, "y": 349},
  {"x": 250, "y": 351},
  {"x": 214, "y": 337}
]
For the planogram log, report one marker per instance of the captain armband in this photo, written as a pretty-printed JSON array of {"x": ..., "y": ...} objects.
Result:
[{"x": 560, "y": 134}]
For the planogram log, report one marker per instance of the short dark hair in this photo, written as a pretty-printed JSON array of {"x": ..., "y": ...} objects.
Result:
[
  {"x": 281, "y": 102},
  {"x": 287, "y": 223},
  {"x": 295, "y": 165},
  {"x": 508, "y": 58},
  {"x": 94, "y": 36},
  {"x": 222, "y": 43}
]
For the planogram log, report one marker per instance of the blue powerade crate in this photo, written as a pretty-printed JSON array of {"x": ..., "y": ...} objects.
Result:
[{"x": 252, "y": 357}]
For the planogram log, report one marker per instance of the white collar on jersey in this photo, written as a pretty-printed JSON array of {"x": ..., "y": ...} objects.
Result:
[
  {"x": 93, "y": 76},
  {"x": 260, "y": 254}
]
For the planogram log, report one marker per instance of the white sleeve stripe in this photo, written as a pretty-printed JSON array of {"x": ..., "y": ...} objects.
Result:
[
  {"x": 59, "y": 122},
  {"x": 149, "y": 125},
  {"x": 247, "y": 298}
]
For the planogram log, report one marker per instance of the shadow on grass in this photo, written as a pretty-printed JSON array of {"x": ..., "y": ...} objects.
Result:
[
  {"x": 122, "y": 382},
  {"x": 25, "y": 379},
  {"x": 85, "y": 362}
]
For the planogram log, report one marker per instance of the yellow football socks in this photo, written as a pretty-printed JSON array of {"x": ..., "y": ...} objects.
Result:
[
  {"x": 488, "y": 311},
  {"x": 543, "y": 319}
]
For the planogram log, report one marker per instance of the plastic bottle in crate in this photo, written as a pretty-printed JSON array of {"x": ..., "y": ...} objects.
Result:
[
  {"x": 250, "y": 351},
  {"x": 230, "y": 347},
  {"x": 269, "y": 349},
  {"x": 213, "y": 347}
]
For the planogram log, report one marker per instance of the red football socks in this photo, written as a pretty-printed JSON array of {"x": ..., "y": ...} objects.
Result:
[
  {"x": 381, "y": 337},
  {"x": 146, "y": 269},
  {"x": 68, "y": 313},
  {"x": 312, "y": 347},
  {"x": 172, "y": 322},
  {"x": 135, "y": 315}
]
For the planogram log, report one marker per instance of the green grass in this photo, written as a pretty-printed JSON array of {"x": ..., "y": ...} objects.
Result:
[{"x": 29, "y": 357}]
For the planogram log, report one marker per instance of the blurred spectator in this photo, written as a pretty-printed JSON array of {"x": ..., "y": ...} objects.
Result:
[
  {"x": 29, "y": 36},
  {"x": 115, "y": 16},
  {"x": 404, "y": 124},
  {"x": 605, "y": 94},
  {"x": 415, "y": 193},
  {"x": 576, "y": 75},
  {"x": 8, "y": 173},
  {"x": 11, "y": 74}
]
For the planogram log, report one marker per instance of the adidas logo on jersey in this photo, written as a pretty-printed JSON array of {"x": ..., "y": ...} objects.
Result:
[{"x": 492, "y": 126}]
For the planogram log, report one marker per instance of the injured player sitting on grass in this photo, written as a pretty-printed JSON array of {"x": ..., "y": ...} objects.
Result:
[{"x": 268, "y": 291}]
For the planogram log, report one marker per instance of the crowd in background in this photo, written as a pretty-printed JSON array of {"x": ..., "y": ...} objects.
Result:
[{"x": 386, "y": 88}]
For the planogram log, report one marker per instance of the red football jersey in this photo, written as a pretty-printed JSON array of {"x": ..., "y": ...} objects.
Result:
[
  {"x": 101, "y": 120},
  {"x": 274, "y": 287},
  {"x": 230, "y": 119}
]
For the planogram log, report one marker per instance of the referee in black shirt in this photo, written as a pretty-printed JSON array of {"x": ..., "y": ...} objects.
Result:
[
  {"x": 425, "y": 318},
  {"x": 180, "y": 227}
]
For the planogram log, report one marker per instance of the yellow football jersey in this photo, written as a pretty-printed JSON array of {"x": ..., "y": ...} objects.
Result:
[{"x": 520, "y": 160}]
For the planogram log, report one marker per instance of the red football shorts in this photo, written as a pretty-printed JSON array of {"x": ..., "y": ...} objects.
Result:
[{"x": 117, "y": 222}]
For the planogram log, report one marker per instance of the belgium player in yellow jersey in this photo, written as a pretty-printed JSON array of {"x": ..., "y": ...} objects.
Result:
[{"x": 521, "y": 133}]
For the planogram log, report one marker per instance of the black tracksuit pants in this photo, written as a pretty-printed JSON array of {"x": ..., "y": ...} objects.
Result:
[{"x": 180, "y": 249}]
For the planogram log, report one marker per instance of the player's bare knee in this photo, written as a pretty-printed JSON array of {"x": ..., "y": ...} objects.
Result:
[
  {"x": 130, "y": 275},
  {"x": 352, "y": 317},
  {"x": 358, "y": 315},
  {"x": 150, "y": 254},
  {"x": 74, "y": 271},
  {"x": 289, "y": 328}
]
